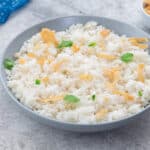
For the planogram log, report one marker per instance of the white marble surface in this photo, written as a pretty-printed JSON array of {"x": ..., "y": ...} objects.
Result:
[{"x": 19, "y": 132}]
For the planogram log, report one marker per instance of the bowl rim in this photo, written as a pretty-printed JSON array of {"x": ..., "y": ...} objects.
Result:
[{"x": 56, "y": 121}]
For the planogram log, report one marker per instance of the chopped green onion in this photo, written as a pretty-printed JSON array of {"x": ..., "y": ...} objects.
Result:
[
  {"x": 71, "y": 99},
  {"x": 9, "y": 63},
  {"x": 92, "y": 44},
  {"x": 140, "y": 93},
  {"x": 93, "y": 97},
  {"x": 37, "y": 82},
  {"x": 65, "y": 44},
  {"x": 127, "y": 57}
]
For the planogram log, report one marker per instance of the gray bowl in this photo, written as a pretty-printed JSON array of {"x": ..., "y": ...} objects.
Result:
[{"x": 61, "y": 24}]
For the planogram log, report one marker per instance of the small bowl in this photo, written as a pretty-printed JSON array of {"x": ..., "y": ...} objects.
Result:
[
  {"x": 58, "y": 25},
  {"x": 145, "y": 16}
]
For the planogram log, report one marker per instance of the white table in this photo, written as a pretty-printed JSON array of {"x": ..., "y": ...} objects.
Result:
[{"x": 19, "y": 132}]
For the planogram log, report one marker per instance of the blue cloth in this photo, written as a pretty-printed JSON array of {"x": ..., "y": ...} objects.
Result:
[{"x": 9, "y": 6}]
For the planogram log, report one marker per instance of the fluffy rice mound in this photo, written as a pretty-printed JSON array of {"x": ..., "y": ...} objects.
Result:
[{"x": 86, "y": 74}]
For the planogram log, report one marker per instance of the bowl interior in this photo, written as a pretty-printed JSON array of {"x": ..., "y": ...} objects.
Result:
[{"x": 58, "y": 25}]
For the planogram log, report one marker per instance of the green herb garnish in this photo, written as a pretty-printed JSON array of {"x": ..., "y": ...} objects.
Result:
[
  {"x": 140, "y": 93},
  {"x": 9, "y": 63},
  {"x": 127, "y": 57},
  {"x": 65, "y": 44},
  {"x": 92, "y": 44},
  {"x": 71, "y": 99},
  {"x": 37, "y": 82},
  {"x": 93, "y": 97}
]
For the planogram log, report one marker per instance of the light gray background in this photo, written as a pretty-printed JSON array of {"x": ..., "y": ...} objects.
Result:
[{"x": 19, "y": 132}]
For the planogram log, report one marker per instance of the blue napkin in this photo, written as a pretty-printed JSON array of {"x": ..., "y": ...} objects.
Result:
[{"x": 9, "y": 6}]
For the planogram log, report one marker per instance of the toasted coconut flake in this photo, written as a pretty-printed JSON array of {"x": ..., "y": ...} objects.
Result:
[
  {"x": 41, "y": 60},
  {"x": 140, "y": 72},
  {"x": 138, "y": 39},
  {"x": 114, "y": 90},
  {"x": 113, "y": 74},
  {"x": 31, "y": 55},
  {"x": 104, "y": 33},
  {"x": 51, "y": 99},
  {"x": 106, "y": 56},
  {"x": 86, "y": 77},
  {"x": 45, "y": 80},
  {"x": 48, "y": 36},
  {"x": 138, "y": 42},
  {"x": 101, "y": 114},
  {"x": 21, "y": 61},
  {"x": 75, "y": 48}
]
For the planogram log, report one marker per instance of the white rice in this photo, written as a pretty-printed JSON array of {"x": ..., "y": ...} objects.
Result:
[{"x": 66, "y": 80}]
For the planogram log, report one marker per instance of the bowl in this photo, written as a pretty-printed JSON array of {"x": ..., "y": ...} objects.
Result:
[
  {"x": 144, "y": 15},
  {"x": 61, "y": 24}
]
